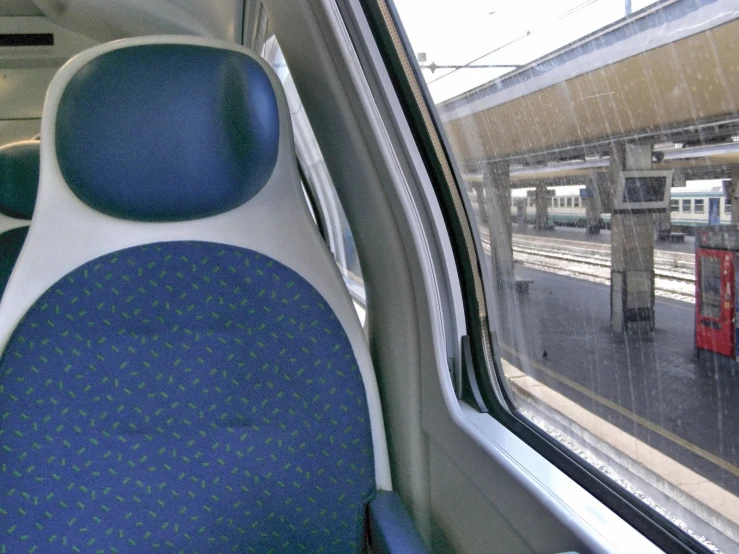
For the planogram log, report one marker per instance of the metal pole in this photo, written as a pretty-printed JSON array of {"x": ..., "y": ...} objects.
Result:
[{"x": 627, "y": 7}]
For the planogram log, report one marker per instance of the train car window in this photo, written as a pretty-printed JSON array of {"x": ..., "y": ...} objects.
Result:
[
  {"x": 597, "y": 321},
  {"x": 321, "y": 190}
]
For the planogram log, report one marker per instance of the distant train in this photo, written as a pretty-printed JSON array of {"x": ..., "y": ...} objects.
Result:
[{"x": 689, "y": 206}]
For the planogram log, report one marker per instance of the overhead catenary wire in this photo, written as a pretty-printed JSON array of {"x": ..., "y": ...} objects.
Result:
[{"x": 469, "y": 65}]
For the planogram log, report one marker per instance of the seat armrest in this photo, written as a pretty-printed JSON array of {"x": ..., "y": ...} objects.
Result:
[{"x": 391, "y": 529}]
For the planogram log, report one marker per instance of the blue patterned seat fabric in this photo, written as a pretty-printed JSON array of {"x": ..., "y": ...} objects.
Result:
[{"x": 184, "y": 397}]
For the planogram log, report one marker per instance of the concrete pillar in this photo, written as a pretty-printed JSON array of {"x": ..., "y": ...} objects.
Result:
[
  {"x": 479, "y": 201},
  {"x": 599, "y": 187},
  {"x": 734, "y": 188},
  {"x": 663, "y": 222},
  {"x": 541, "y": 203},
  {"x": 592, "y": 209},
  {"x": 632, "y": 250},
  {"x": 522, "y": 205},
  {"x": 497, "y": 188},
  {"x": 601, "y": 181}
]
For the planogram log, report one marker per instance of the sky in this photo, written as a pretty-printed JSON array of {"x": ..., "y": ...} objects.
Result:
[{"x": 456, "y": 32}]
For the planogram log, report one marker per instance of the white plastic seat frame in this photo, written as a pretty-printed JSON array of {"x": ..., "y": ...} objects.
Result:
[
  {"x": 65, "y": 233},
  {"x": 8, "y": 223}
]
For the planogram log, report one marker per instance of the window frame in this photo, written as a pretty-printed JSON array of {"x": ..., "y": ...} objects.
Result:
[
  {"x": 322, "y": 198},
  {"x": 430, "y": 138}
]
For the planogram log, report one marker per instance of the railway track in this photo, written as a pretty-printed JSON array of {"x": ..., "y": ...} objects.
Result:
[
  {"x": 674, "y": 271},
  {"x": 683, "y": 276},
  {"x": 663, "y": 259}
]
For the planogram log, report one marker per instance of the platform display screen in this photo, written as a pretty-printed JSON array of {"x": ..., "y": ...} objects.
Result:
[{"x": 643, "y": 191}]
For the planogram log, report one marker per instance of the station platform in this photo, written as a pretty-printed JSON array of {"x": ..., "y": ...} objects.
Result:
[
  {"x": 579, "y": 234},
  {"x": 667, "y": 397}
]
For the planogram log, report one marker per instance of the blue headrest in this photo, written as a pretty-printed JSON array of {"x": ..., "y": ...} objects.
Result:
[
  {"x": 166, "y": 132},
  {"x": 19, "y": 171}
]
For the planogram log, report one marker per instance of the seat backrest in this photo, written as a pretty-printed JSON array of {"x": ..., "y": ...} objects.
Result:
[
  {"x": 184, "y": 368},
  {"x": 19, "y": 174}
]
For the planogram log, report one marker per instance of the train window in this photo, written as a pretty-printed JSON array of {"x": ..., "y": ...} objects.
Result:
[
  {"x": 598, "y": 351},
  {"x": 531, "y": 202},
  {"x": 727, "y": 206},
  {"x": 317, "y": 180},
  {"x": 576, "y": 202}
]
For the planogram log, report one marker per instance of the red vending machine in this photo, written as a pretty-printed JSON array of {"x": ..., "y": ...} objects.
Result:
[{"x": 716, "y": 253}]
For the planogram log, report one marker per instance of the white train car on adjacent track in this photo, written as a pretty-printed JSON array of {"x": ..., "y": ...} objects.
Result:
[{"x": 689, "y": 206}]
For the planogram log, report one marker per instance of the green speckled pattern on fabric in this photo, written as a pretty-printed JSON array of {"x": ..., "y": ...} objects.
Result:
[{"x": 182, "y": 397}]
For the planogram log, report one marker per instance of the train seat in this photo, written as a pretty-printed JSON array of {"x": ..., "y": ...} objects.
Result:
[
  {"x": 19, "y": 175},
  {"x": 183, "y": 368}
]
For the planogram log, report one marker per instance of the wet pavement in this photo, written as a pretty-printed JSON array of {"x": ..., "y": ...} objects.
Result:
[{"x": 563, "y": 324}]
